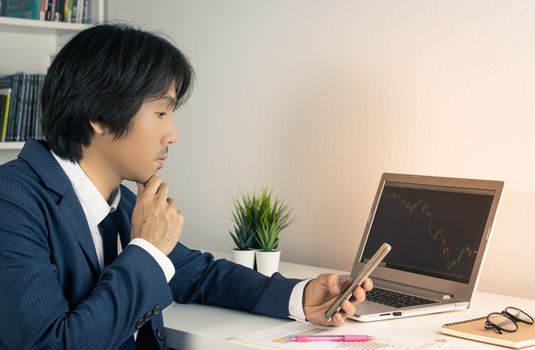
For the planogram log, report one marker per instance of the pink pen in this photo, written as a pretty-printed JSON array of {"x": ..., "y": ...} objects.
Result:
[{"x": 331, "y": 338}]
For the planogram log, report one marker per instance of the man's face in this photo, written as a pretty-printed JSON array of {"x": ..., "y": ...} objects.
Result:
[{"x": 142, "y": 151}]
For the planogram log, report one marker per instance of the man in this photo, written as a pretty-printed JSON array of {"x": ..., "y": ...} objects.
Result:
[{"x": 107, "y": 103}]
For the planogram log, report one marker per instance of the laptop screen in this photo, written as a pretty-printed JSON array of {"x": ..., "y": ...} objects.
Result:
[{"x": 433, "y": 230}]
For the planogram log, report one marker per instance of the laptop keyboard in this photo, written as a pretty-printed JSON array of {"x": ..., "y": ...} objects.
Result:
[{"x": 390, "y": 298}]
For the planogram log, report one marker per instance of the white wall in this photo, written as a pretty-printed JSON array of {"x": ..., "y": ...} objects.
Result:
[
  {"x": 25, "y": 52},
  {"x": 318, "y": 98}
]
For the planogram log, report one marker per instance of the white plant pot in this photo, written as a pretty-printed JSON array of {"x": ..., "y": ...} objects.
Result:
[
  {"x": 243, "y": 257},
  {"x": 267, "y": 263}
]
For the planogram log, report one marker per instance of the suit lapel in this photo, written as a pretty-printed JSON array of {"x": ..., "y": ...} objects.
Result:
[
  {"x": 74, "y": 216},
  {"x": 38, "y": 156}
]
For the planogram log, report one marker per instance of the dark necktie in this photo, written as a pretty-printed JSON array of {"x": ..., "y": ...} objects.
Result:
[{"x": 109, "y": 227}]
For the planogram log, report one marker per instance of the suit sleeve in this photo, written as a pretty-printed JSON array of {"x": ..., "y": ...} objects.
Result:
[
  {"x": 201, "y": 279},
  {"x": 36, "y": 306}
]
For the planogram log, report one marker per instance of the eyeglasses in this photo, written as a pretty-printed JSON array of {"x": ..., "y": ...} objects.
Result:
[{"x": 507, "y": 320}]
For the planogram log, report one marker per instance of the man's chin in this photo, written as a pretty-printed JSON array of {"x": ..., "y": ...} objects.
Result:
[{"x": 141, "y": 179}]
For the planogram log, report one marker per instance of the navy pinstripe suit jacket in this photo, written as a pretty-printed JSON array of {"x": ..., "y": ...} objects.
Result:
[{"x": 53, "y": 294}]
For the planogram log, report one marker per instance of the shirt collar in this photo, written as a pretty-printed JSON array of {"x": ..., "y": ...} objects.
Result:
[{"x": 95, "y": 206}]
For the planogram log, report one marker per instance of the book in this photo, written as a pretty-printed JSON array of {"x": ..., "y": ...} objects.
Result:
[
  {"x": 72, "y": 11},
  {"x": 20, "y": 118},
  {"x": 474, "y": 329},
  {"x": 38, "y": 131},
  {"x": 67, "y": 11},
  {"x": 4, "y": 102},
  {"x": 15, "y": 87},
  {"x": 4, "y": 111},
  {"x": 36, "y": 9},
  {"x": 43, "y": 6},
  {"x": 85, "y": 17},
  {"x": 29, "y": 111},
  {"x": 19, "y": 8}
]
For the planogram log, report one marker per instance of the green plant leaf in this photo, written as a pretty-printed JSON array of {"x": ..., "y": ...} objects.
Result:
[{"x": 259, "y": 218}]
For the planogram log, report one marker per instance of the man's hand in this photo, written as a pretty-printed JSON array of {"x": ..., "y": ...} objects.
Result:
[
  {"x": 155, "y": 217},
  {"x": 321, "y": 292}
]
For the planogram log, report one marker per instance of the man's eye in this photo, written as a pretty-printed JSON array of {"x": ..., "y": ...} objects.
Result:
[{"x": 161, "y": 114}]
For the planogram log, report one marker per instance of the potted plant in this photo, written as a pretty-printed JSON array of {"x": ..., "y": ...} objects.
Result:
[
  {"x": 258, "y": 223},
  {"x": 273, "y": 217},
  {"x": 243, "y": 232}
]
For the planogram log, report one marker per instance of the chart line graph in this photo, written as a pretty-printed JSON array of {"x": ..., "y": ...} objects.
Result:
[{"x": 420, "y": 206}]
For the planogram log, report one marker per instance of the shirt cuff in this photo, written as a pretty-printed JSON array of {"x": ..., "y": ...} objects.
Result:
[
  {"x": 165, "y": 263},
  {"x": 296, "y": 302}
]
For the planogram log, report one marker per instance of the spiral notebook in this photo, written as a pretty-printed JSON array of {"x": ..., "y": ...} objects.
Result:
[{"x": 475, "y": 330}]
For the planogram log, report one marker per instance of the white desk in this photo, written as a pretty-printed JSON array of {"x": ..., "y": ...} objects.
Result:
[{"x": 193, "y": 326}]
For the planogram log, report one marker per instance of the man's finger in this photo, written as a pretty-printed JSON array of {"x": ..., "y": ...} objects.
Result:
[
  {"x": 140, "y": 188},
  {"x": 163, "y": 190},
  {"x": 367, "y": 284},
  {"x": 359, "y": 295},
  {"x": 153, "y": 184},
  {"x": 348, "y": 307},
  {"x": 333, "y": 283},
  {"x": 337, "y": 319}
]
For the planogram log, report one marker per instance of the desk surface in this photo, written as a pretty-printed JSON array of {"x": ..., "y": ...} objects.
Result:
[{"x": 193, "y": 326}]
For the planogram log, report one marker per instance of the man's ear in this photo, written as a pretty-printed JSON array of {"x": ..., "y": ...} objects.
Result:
[{"x": 98, "y": 128}]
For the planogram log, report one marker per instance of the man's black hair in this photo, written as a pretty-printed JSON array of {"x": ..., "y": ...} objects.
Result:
[{"x": 104, "y": 74}]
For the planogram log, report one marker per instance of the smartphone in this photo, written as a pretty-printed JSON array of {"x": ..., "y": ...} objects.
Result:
[{"x": 364, "y": 273}]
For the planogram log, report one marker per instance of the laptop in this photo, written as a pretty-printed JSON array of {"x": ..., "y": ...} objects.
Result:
[{"x": 439, "y": 229}]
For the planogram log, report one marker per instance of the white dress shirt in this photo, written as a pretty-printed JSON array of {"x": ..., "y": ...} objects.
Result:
[{"x": 96, "y": 208}]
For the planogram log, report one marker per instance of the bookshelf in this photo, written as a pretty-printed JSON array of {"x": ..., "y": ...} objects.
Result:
[
  {"x": 32, "y": 26},
  {"x": 32, "y": 43},
  {"x": 11, "y": 145}
]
